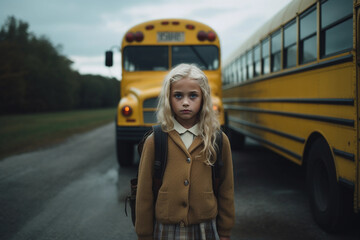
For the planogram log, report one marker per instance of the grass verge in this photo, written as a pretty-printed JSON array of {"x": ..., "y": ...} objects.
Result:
[{"x": 27, "y": 132}]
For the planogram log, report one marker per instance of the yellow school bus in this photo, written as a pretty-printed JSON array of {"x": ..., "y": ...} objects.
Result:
[
  {"x": 149, "y": 50},
  {"x": 294, "y": 87}
]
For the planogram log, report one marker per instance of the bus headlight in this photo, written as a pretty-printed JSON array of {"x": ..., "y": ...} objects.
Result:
[
  {"x": 216, "y": 109},
  {"x": 126, "y": 111}
]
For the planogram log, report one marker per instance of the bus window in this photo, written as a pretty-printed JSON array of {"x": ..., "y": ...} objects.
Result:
[
  {"x": 238, "y": 69},
  {"x": 231, "y": 74},
  {"x": 243, "y": 68},
  {"x": 308, "y": 21},
  {"x": 265, "y": 56},
  {"x": 206, "y": 57},
  {"x": 234, "y": 73},
  {"x": 141, "y": 58},
  {"x": 276, "y": 51},
  {"x": 290, "y": 44},
  {"x": 336, "y": 26},
  {"x": 249, "y": 57},
  {"x": 223, "y": 77},
  {"x": 257, "y": 63},
  {"x": 227, "y": 75}
]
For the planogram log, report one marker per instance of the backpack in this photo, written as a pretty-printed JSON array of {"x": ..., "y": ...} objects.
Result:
[{"x": 160, "y": 138}]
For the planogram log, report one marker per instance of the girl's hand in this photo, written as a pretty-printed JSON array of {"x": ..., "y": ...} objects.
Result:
[{"x": 224, "y": 238}]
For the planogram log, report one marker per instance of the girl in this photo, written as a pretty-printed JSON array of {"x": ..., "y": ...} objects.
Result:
[{"x": 186, "y": 207}]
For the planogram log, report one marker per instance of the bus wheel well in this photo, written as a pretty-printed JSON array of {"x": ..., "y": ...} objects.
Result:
[
  {"x": 330, "y": 203},
  {"x": 311, "y": 139}
]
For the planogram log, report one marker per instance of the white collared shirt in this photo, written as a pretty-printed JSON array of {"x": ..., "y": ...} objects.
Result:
[{"x": 187, "y": 135}]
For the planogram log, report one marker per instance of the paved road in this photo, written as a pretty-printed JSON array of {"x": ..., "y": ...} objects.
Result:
[
  {"x": 69, "y": 192},
  {"x": 65, "y": 192},
  {"x": 271, "y": 200}
]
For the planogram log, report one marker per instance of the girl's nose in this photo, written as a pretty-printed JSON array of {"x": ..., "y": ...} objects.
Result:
[{"x": 186, "y": 102}]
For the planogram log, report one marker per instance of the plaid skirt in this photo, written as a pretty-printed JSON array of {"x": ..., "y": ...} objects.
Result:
[{"x": 201, "y": 231}]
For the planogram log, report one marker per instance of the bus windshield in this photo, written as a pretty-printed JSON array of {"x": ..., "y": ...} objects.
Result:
[
  {"x": 155, "y": 58},
  {"x": 206, "y": 57},
  {"x": 146, "y": 58}
]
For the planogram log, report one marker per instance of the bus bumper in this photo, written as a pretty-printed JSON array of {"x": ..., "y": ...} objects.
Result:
[{"x": 131, "y": 134}]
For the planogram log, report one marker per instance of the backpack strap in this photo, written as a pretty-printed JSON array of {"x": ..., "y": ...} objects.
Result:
[
  {"x": 142, "y": 141},
  {"x": 161, "y": 150},
  {"x": 218, "y": 163}
]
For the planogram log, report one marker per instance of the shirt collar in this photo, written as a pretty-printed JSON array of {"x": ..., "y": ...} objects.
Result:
[{"x": 180, "y": 129}]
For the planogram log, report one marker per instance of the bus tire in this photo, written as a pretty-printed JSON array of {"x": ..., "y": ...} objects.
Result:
[
  {"x": 125, "y": 153},
  {"x": 324, "y": 190}
]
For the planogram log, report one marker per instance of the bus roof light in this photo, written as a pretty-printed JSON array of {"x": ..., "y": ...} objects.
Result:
[
  {"x": 190, "y": 26},
  {"x": 139, "y": 36},
  {"x": 201, "y": 35},
  {"x": 129, "y": 37},
  {"x": 149, "y": 27},
  {"x": 165, "y": 23},
  {"x": 211, "y": 36},
  {"x": 175, "y": 23}
]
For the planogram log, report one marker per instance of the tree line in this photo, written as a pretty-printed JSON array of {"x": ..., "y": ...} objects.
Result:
[{"x": 36, "y": 77}]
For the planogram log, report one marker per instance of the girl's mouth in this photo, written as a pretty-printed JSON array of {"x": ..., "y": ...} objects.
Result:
[{"x": 185, "y": 111}]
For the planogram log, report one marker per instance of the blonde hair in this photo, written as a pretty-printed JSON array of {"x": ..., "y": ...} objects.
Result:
[{"x": 208, "y": 121}]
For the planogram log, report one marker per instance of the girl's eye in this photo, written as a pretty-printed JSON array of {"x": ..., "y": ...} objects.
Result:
[
  {"x": 177, "y": 95},
  {"x": 193, "y": 95}
]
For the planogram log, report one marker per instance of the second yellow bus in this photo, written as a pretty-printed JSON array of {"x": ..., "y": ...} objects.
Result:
[{"x": 294, "y": 87}]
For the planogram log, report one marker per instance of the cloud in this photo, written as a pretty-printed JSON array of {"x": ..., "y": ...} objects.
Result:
[
  {"x": 86, "y": 28},
  {"x": 233, "y": 20}
]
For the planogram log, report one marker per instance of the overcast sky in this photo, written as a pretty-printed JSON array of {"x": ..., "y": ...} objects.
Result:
[{"x": 86, "y": 28}]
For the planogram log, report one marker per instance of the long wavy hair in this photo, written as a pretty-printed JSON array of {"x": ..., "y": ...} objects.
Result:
[{"x": 207, "y": 119}]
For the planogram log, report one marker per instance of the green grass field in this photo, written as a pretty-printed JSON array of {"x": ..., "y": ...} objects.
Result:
[{"x": 26, "y": 132}]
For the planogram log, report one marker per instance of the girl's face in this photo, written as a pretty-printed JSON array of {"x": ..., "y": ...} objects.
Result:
[{"x": 186, "y": 100}]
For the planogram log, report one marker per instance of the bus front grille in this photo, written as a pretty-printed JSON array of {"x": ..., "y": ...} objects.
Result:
[
  {"x": 150, "y": 103},
  {"x": 149, "y": 106},
  {"x": 150, "y": 117}
]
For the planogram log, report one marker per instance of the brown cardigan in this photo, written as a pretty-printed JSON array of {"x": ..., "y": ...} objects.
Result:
[{"x": 186, "y": 195}]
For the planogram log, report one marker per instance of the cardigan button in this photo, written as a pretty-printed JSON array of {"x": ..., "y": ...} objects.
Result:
[
  {"x": 184, "y": 204},
  {"x": 188, "y": 160},
  {"x": 186, "y": 182}
]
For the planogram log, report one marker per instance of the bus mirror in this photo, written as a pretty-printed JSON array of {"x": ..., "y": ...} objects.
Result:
[{"x": 108, "y": 58}]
